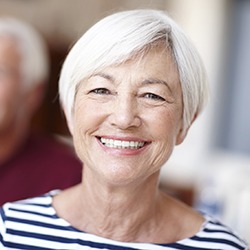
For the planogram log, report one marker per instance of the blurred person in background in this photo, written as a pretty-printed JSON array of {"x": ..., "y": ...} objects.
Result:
[
  {"x": 130, "y": 88},
  {"x": 30, "y": 163}
]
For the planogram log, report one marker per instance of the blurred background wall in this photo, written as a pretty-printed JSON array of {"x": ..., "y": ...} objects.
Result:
[{"x": 212, "y": 167}]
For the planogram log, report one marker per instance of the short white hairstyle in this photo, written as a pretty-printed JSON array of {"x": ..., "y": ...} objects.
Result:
[
  {"x": 32, "y": 48},
  {"x": 119, "y": 37}
]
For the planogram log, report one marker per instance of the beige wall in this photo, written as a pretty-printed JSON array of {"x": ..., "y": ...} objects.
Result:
[{"x": 61, "y": 21}]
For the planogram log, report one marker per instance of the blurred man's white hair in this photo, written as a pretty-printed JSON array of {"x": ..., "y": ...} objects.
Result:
[{"x": 32, "y": 48}]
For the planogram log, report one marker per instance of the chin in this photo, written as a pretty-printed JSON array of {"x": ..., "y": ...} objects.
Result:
[{"x": 119, "y": 176}]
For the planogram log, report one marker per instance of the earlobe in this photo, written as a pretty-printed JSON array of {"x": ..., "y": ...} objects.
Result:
[
  {"x": 183, "y": 131},
  {"x": 181, "y": 136}
]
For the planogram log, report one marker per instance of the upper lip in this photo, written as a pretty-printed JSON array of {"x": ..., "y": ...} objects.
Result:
[{"x": 124, "y": 138}]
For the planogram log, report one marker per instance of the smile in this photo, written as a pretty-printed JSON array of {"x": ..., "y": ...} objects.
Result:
[{"x": 111, "y": 143}]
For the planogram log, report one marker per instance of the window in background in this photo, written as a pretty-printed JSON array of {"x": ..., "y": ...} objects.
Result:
[{"x": 234, "y": 121}]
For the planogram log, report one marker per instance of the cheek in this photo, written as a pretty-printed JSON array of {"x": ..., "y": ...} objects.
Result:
[
  {"x": 86, "y": 117},
  {"x": 10, "y": 112},
  {"x": 78, "y": 137},
  {"x": 5, "y": 94},
  {"x": 166, "y": 125},
  {"x": 81, "y": 122},
  {"x": 164, "y": 131},
  {"x": 86, "y": 121},
  {"x": 2, "y": 114},
  {"x": 10, "y": 95},
  {"x": 9, "y": 103}
]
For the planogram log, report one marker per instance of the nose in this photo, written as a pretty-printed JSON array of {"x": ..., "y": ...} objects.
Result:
[{"x": 125, "y": 113}]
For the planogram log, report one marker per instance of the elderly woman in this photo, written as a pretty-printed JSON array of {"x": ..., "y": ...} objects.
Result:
[{"x": 130, "y": 88}]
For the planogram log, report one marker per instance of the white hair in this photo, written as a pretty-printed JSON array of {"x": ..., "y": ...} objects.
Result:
[
  {"x": 122, "y": 35},
  {"x": 32, "y": 48}
]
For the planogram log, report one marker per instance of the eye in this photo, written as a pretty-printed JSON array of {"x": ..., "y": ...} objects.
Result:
[
  {"x": 154, "y": 97},
  {"x": 100, "y": 91}
]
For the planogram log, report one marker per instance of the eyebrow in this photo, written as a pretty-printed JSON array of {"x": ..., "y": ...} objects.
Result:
[
  {"x": 146, "y": 81},
  {"x": 156, "y": 81},
  {"x": 105, "y": 76}
]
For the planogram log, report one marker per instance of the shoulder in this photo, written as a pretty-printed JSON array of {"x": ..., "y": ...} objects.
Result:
[
  {"x": 210, "y": 234},
  {"x": 21, "y": 210},
  {"x": 216, "y": 235},
  {"x": 30, "y": 223}
]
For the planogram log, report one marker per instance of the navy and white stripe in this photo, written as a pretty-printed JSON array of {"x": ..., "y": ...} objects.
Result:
[{"x": 33, "y": 224}]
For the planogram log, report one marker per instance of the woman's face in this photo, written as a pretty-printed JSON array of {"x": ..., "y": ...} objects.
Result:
[{"x": 128, "y": 118}]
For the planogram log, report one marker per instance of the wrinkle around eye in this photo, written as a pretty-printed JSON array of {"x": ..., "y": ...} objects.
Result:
[
  {"x": 154, "y": 97},
  {"x": 100, "y": 91},
  {"x": 157, "y": 100}
]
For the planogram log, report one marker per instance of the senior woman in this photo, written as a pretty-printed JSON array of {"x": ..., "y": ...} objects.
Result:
[{"x": 130, "y": 88}]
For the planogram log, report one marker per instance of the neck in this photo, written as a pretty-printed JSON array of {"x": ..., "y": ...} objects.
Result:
[{"x": 119, "y": 213}]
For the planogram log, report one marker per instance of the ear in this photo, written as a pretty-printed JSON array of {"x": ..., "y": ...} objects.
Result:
[{"x": 183, "y": 131}]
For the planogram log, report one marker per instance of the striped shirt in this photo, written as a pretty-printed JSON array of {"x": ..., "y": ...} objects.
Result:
[{"x": 34, "y": 224}]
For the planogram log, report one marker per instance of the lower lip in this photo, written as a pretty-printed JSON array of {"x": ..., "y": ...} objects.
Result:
[{"x": 122, "y": 151}]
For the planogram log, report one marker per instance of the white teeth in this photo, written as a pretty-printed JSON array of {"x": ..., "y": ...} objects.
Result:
[{"x": 122, "y": 144}]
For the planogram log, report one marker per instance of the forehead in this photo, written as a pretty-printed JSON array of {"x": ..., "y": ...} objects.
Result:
[{"x": 156, "y": 62}]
